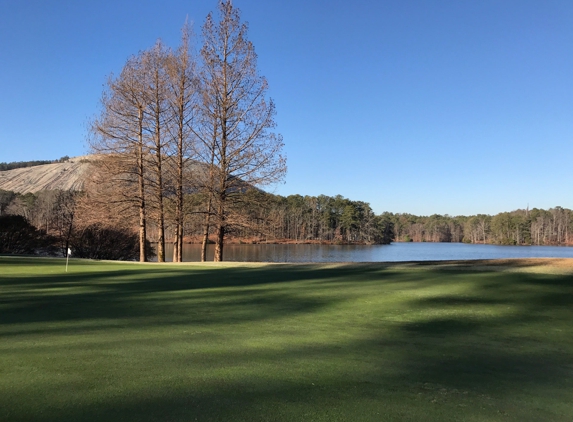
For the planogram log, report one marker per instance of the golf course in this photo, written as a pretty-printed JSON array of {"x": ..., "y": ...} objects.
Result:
[{"x": 433, "y": 341}]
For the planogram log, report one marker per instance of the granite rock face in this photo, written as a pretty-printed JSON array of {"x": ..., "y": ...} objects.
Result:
[{"x": 68, "y": 176}]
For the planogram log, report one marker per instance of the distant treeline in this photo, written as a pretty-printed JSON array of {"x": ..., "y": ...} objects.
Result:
[
  {"x": 520, "y": 227},
  {"x": 259, "y": 217},
  {"x": 46, "y": 223},
  {"x": 337, "y": 219},
  {"x": 22, "y": 164},
  {"x": 264, "y": 217},
  {"x": 319, "y": 219}
]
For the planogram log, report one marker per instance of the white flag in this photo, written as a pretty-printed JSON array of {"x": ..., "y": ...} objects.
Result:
[{"x": 69, "y": 251}]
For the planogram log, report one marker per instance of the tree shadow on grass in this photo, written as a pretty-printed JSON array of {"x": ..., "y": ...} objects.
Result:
[
  {"x": 423, "y": 385},
  {"x": 501, "y": 333},
  {"x": 491, "y": 344},
  {"x": 152, "y": 295}
]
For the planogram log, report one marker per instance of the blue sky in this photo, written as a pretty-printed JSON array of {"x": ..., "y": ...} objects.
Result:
[{"x": 447, "y": 107}]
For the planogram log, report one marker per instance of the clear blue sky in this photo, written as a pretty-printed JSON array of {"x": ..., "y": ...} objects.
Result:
[{"x": 449, "y": 107}]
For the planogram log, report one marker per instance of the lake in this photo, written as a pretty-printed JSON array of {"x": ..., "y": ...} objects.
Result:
[{"x": 374, "y": 253}]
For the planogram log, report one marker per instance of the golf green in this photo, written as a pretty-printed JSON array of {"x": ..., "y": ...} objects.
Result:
[{"x": 106, "y": 341}]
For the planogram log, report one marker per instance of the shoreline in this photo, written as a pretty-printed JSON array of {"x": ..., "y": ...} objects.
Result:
[{"x": 556, "y": 265}]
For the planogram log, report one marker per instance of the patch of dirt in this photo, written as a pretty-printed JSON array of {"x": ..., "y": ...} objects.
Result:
[{"x": 532, "y": 265}]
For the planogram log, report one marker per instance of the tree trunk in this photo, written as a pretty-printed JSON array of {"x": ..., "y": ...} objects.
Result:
[
  {"x": 220, "y": 228},
  {"x": 160, "y": 211},
  {"x": 142, "y": 222},
  {"x": 206, "y": 232},
  {"x": 175, "y": 246},
  {"x": 160, "y": 219},
  {"x": 178, "y": 245},
  {"x": 219, "y": 242},
  {"x": 142, "y": 233}
]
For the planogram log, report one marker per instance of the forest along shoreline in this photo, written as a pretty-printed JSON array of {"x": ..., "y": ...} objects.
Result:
[{"x": 50, "y": 222}]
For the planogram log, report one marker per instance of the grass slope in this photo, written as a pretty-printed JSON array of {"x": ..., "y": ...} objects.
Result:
[{"x": 116, "y": 342}]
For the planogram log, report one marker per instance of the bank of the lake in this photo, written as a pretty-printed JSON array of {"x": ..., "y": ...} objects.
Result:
[{"x": 394, "y": 252}]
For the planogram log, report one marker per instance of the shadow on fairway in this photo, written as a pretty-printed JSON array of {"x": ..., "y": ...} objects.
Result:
[
  {"x": 490, "y": 349},
  {"x": 502, "y": 336},
  {"x": 149, "y": 296}
]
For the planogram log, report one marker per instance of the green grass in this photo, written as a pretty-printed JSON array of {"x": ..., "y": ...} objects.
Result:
[{"x": 118, "y": 341}]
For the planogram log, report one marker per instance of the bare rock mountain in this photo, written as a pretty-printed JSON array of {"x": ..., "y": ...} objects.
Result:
[
  {"x": 70, "y": 176},
  {"x": 56, "y": 176}
]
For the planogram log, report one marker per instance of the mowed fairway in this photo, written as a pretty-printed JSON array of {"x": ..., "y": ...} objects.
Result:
[{"x": 240, "y": 342}]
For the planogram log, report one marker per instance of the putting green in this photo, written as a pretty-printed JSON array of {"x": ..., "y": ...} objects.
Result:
[{"x": 478, "y": 341}]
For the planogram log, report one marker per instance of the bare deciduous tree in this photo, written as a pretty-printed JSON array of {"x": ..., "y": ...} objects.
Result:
[
  {"x": 183, "y": 89},
  {"x": 118, "y": 140},
  {"x": 241, "y": 142},
  {"x": 152, "y": 113},
  {"x": 157, "y": 118}
]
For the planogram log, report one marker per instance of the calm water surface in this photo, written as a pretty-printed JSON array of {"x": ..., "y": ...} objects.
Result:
[{"x": 375, "y": 253}]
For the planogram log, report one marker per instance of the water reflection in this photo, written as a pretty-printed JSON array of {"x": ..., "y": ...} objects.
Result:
[{"x": 375, "y": 253}]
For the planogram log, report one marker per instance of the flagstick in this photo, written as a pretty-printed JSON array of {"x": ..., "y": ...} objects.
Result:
[{"x": 67, "y": 259}]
